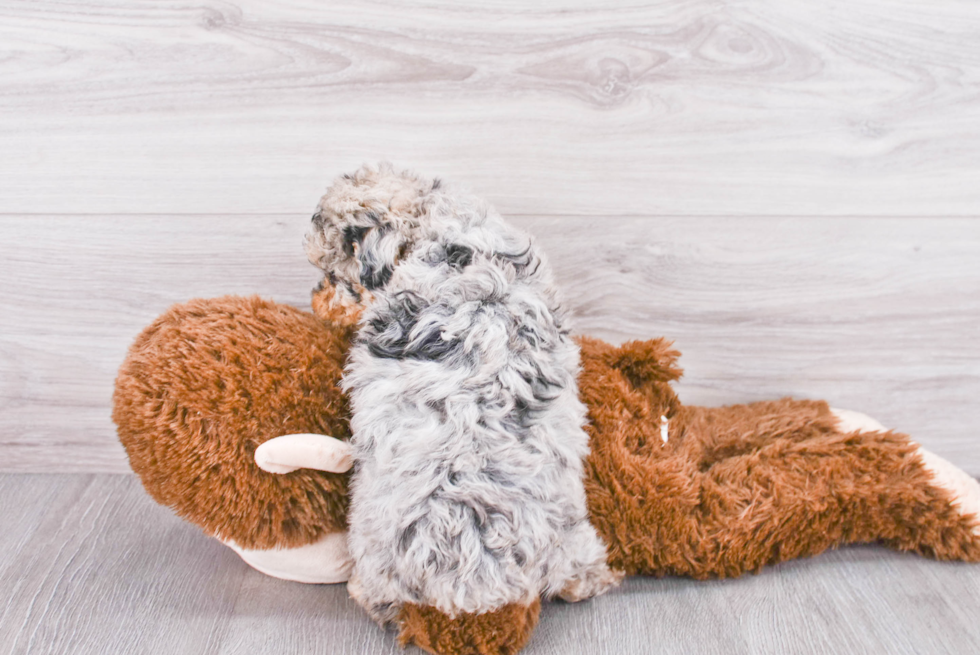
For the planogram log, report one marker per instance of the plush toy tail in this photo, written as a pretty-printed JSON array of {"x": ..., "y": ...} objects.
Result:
[{"x": 502, "y": 632}]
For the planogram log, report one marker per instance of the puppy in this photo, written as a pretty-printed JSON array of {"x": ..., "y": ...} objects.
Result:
[{"x": 466, "y": 423}]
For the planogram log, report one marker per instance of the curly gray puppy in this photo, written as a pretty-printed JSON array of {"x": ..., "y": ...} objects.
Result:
[{"x": 467, "y": 427}]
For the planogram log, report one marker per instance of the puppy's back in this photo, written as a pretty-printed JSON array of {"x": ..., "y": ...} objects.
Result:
[{"x": 467, "y": 425}]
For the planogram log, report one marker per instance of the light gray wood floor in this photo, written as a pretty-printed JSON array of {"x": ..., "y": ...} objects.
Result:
[{"x": 89, "y": 564}]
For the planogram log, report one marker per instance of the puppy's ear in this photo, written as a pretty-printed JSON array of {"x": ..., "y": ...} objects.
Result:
[
  {"x": 377, "y": 250},
  {"x": 353, "y": 237}
]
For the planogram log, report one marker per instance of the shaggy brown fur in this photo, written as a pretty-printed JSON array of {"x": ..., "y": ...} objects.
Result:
[
  {"x": 735, "y": 488},
  {"x": 502, "y": 632},
  {"x": 209, "y": 381}
]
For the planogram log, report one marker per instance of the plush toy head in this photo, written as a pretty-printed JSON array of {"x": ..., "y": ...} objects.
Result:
[{"x": 208, "y": 382}]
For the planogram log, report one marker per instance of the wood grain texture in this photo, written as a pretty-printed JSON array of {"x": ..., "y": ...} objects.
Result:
[
  {"x": 874, "y": 315},
  {"x": 681, "y": 107},
  {"x": 79, "y": 291},
  {"x": 90, "y": 565},
  {"x": 154, "y": 152}
]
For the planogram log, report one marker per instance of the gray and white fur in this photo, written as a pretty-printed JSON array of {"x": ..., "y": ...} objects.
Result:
[{"x": 467, "y": 428}]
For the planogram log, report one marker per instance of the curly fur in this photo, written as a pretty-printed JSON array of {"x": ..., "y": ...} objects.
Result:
[{"x": 467, "y": 427}]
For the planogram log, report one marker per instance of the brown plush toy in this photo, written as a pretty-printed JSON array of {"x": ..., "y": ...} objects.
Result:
[{"x": 672, "y": 489}]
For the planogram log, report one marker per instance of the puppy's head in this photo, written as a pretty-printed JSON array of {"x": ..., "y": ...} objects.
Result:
[{"x": 363, "y": 226}]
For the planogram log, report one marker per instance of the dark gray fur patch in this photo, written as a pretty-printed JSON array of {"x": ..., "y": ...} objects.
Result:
[
  {"x": 407, "y": 536},
  {"x": 458, "y": 255},
  {"x": 526, "y": 411},
  {"x": 374, "y": 277},
  {"x": 525, "y": 262},
  {"x": 392, "y": 334},
  {"x": 376, "y": 271},
  {"x": 353, "y": 234}
]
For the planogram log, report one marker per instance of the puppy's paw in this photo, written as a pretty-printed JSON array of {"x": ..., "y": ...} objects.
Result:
[
  {"x": 591, "y": 582},
  {"x": 381, "y": 612}
]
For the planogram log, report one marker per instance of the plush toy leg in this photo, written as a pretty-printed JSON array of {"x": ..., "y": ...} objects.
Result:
[
  {"x": 816, "y": 484},
  {"x": 502, "y": 632},
  {"x": 740, "y": 487},
  {"x": 964, "y": 491},
  {"x": 325, "y": 561},
  {"x": 850, "y": 421}
]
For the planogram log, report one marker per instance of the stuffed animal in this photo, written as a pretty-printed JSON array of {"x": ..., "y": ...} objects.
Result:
[{"x": 208, "y": 389}]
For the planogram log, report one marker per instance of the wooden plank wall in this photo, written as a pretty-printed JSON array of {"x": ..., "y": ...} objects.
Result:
[{"x": 789, "y": 188}]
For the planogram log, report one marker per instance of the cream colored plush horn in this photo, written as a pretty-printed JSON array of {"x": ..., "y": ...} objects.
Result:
[{"x": 290, "y": 452}]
